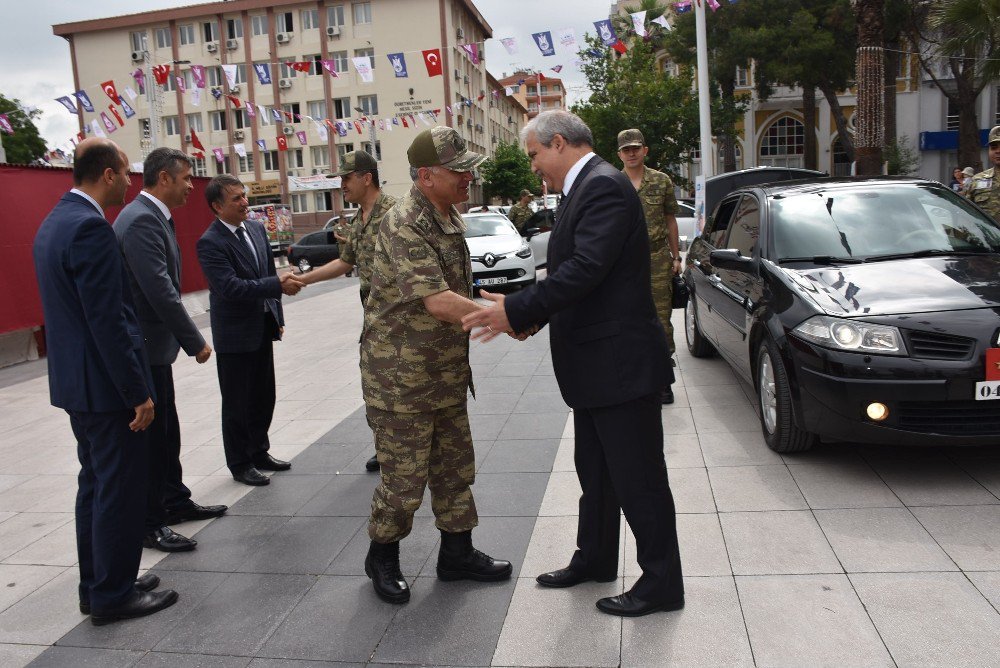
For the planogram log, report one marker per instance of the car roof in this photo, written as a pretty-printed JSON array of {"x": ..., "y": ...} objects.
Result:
[{"x": 800, "y": 186}]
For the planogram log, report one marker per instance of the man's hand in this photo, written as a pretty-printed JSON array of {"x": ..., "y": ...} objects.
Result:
[
  {"x": 492, "y": 320},
  {"x": 143, "y": 415},
  {"x": 678, "y": 265},
  {"x": 290, "y": 284},
  {"x": 339, "y": 237},
  {"x": 523, "y": 336},
  {"x": 202, "y": 356}
]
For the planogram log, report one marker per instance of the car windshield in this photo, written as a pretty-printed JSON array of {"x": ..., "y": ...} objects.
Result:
[
  {"x": 872, "y": 222},
  {"x": 488, "y": 226}
]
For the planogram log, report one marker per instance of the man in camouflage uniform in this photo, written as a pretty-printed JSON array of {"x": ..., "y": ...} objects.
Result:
[
  {"x": 520, "y": 213},
  {"x": 415, "y": 371},
  {"x": 360, "y": 185},
  {"x": 656, "y": 191},
  {"x": 984, "y": 188}
]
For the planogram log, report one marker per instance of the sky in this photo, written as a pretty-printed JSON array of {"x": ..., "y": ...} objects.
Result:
[{"x": 36, "y": 64}]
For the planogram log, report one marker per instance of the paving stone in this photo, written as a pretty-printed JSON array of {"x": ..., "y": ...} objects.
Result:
[
  {"x": 989, "y": 585},
  {"x": 742, "y": 448},
  {"x": 296, "y": 663},
  {"x": 305, "y": 545},
  {"x": 56, "y": 549},
  {"x": 509, "y": 494},
  {"x": 728, "y": 419},
  {"x": 777, "y": 542},
  {"x": 20, "y": 580},
  {"x": 283, "y": 497},
  {"x": 544, "y": 402},
  {"x": 521, "y": 456},
  {"x": 534, "y": 426},
  {"x": 46, "y": 614},
  {"x": 848, "y": 484},
  {"x": 969, "y": 534},
  {"x": 493, "y": 404},
  {"x": 225, "y": 544},
  {"x": 691, "y": 491},
  {"x": 703, "y": 550},
  {"x": 931, "y": 481},
  {"x": 750, "y": 488},
  {"x": 346, "y": 495},
  {"x": 17, "y": 656},
  {"x": 24, "y": 529},
  {"x": 326, "y": 459},
  {"x": 174, "y": 660},
  {"x": 486, "y": 427},
  {"x": 78, "y": 657},
  {"x": 682, "y": 451},
  {"x": 562, "y": 495}
]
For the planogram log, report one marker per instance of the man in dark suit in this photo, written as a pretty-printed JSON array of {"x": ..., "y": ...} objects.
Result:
[
  {"x": 98, "y": 373},
  {"x": 145, "y": 231},
  {"x": 245, "y": 305},
  {"x": 609, "y": 352}
]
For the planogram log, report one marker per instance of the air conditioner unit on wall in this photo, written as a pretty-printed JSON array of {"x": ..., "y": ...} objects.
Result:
[
  {"x": 232, "y": 44},
  {"x": 283, "y": 38},
  {"x": 460, "y": 33},
  {"x": 458, "y": 75},
  {"x": 284, "y": 83},
  {"x": 238, "y": 135},
  {"x": 333, "y": 31},
  {"x": 138, "y": 56},
  {"x": 187, "y": 138},
  {"x": 465, "y": 79},
  {"x": 211, "y": 47},
  {"x": 235, "y": 89},
  {"x": 288, "y": 130}
]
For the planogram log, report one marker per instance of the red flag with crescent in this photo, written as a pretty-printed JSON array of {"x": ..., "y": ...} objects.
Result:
[
  {"x": 109, "y": 88},
  {"x": 432, "y": 59},
  {"x": 235, "y": 100},
  {"x": 118, "y": 117},
  {"x": 161, "y": 73},
  {"x": 282, "y": 143},
  {"x": 195, "y": 141}
]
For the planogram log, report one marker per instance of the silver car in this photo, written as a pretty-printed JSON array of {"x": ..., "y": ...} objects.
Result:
[{"x": 500, "y": 257}]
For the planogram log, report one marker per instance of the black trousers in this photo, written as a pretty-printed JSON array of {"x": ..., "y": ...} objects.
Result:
[
  {"x": 166, "y": 488},
  {"x": 110, "y": 504},
  {"x": 619, "y": 461},
  {"x": 246, "y": 381}
]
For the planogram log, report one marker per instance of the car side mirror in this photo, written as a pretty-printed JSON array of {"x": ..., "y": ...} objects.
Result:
[
  {"x": 531, "y": 231},
  {"x": 730, "y": 258}
]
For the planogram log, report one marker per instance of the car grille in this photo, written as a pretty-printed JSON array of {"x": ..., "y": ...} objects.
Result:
[
  {"x": 931, "y": 345},
  {"x": 952, "y": 418},
  {"x": 509, "y": 274}
]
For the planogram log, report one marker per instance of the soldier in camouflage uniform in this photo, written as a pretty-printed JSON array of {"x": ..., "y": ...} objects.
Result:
[
  {"x": 984, "y": 188},
  {"x": 360, "y": 185},
  {"x": 660, "y": 208},
  {"x": 415, "y": 371},
  {"x": 520, "y": 213}
]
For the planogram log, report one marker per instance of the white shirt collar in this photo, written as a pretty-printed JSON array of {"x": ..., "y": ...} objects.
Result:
[
  {"x": 90, "y": 199},
  {"x": 574, "y": 172},
  {"x": 159, "y": 205},
  {"x": 232, "y": 228}
]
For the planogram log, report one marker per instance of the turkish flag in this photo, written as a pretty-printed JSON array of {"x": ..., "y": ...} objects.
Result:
[
  {"x": 109, "y": 88},
  {"x": 299, "y": 66},
  {"x": 357, "y": 125},
  {"x": 993, "y": 364},
  {"x": 432, "y": 59},
  {"x": 195, "y": 141},
  {"x": 541, "y": 77},
  {"x": 405, "y": 124},
  {"x": 118, "y": 117},
  {"x": 235, "y": 100},
  {"x": 282, "y": 143},
  {"x": 81, "y": 136},
  {"x": 619, "y": 47}
]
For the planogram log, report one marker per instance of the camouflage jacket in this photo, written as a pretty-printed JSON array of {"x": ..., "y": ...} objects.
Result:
[
  {"x": 411, "y": 362},
  {"x": 657, "y": 195},
  {"x": 984, "y": 190},
  {"x": 360, "y": 245},
  {"x": 519, "y": 215}
]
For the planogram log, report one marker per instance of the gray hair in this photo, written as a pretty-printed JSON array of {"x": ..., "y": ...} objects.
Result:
[
  {"x": 168, "y": 160},
  {"x": 414, "y": 171},
  {"x": 548, "y": 124}
]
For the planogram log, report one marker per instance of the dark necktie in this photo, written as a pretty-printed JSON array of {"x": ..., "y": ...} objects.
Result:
[{"x": 242, "y": 234}]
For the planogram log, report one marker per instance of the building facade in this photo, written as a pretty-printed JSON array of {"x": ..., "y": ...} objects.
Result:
[{"x": 534, "y": 94}]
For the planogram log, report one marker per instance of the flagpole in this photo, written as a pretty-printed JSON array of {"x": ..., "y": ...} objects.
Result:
[{"x": 704, "y": 93}]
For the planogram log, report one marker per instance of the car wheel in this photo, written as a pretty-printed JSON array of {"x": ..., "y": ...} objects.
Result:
[
  {"x": 697, "y": 344},
  {"x": 776, "y": 421},
  {"x": 303, "y": 265}
]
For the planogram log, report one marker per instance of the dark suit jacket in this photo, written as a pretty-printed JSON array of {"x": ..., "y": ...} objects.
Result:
[
  {"x": 241, "y": 287},
  {"x": 608, "y": 345},
  {"x": 153, "y": 261},
  {"x": 95, "y": 352}
]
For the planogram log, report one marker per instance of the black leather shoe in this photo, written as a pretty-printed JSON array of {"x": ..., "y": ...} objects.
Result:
[
  {"x": 142, "y": 603},
  {"x": 667, "y": 396},
  {"x": 147, "y": 582},
  {"x": 382, "y": 566},
  {"x": 372, "y": 464},
  {"x": 166, "y": 540},
  {"x": 627, "y": 605},
  {"x": 251, "y": 476},
  {"x": 268, "y": 463},
  {"x": 194, "y": 512},
  {"x": 565, "y": 577}
]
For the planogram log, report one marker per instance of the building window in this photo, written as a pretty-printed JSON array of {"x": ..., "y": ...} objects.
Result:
[
  {"x": 377, "y": 153},
  {"x": 368, "y": 104},
  {"x": 294, "y": 109},
  {"x": 300, "y": 203},
  {"x": 295, "y": 158},
  {"x": 316, "y": 109},
  {"x": 188, "y": 79},
  {"x": 194, "y": 122},
  {"x": 342, "y": 150},
  {"x": 163, "y": 38},
  {"x": 286, "y": 71},
  {"x": 315, "y": 66},
  {"x": 241, "y": 73},
  {"x": 783, "y": 144},
  {"x": 555, "y": 88},
  {"x": 138, "y": 40},
  {"x": 335, "y": 15},
  {"x": 186, "y": 34},
  {"x": 246, "y": 164},
  {"x": 171, "y": 83},
  {"x": 214, "y": 76},
  {"x": 222, "y": 167},
  {"x": 320, "y": 157},
  {"x": 210, "y": 30},
  {"x": 339, "y": 59},
  {"x": 240, "y": 119},
  {"x": 258, "y": 24},
  {"x": 284, "y": 22},
  {"x": 234, "y": 28},
  {"x": 217, "y": 121},
  {"x": 198, "y": 168},
  {"x": 951, "y": 123},
  {"x": 310, "y": 19},
  {"x": 269, "y": 161},
  {"x": 324, "y": 201},
  {"x": 362, "y": 13},
  {"x": 742, "y": 77},
  {"x": 171, "y": 125},
  {"x": 841, "y": 163},
  {"x": 341, "y": 107},
  {"x": 360, "y": 53}
]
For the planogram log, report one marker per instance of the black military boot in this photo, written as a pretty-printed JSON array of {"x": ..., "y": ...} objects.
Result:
[
  {"x": 458, "y": 560},
  {"x": 382, "y": 566}
]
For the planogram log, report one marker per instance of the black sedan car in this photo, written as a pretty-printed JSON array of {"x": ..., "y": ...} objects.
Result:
[
  {"x": 861, "y": 310},
  {"x": 313, "y": 250}
]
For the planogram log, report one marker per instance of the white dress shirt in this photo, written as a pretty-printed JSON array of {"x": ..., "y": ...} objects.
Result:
[{"x": 574, "y": 172}]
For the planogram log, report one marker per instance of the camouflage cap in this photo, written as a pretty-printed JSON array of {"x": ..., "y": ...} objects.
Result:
[
  {"x": 994, "y": 135},
  {"x": 526, "y": 193},
  {"x": 969, "y": 171},
  {"x": 631, "y": 137},
  {"x": 355, "y": 161},
  {"x": 442, "y": 147}
]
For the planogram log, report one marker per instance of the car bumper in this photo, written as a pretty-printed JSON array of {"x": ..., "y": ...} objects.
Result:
[{"x": 513, "y": 274}]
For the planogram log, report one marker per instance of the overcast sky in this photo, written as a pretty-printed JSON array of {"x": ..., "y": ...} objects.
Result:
[{"x": 36, "y": 65}]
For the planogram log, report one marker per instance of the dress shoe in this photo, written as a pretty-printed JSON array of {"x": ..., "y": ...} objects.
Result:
[
  {"x": 251, "y": 476},
  {"x": 667, "y": 396},
  {"x": 382, "y": 566},
  {"x": 193, "y": 512},
  {"x": 266, "y": 462},
  {"x": 147, "y": 582},
  {"x": 372, "y": 464},
  {"x": 140, "y": 604},
  {"x": 627, "y": 605},
  {"x": 567, "y": 577},
  {"x": 458, "y": 560},
  {"x": 165, "y": 539}
]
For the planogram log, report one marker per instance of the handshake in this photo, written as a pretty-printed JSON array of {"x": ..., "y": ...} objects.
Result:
[{"x": 290, "y": 284}]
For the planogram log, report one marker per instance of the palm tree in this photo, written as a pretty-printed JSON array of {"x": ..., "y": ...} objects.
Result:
[
  {"x": 623, "y": 21},
  {"x": 870, "y": 67}
]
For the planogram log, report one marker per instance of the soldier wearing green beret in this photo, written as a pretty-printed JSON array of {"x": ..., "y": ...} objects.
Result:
[
  {"x": 520, "y": 213},
  {"x": 984, "y": 188}
]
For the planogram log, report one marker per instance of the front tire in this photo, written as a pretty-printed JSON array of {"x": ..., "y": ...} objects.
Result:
[
  {"x": 303, "y": 265},
  {"x": 775, "y": 401},
  {"x": 697, "y": 344}
]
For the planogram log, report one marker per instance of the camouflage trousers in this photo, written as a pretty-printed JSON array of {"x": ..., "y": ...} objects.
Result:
[
  {"x": 661, "y": 274},
  {"x": 417, "y": 450}
]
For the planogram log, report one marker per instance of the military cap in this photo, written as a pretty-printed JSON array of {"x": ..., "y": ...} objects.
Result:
[
  {"x": 442, "y": 147},
  {"x": 525, "y": 193},
  {"x": 630, "y": 137},
  {"x": 994, "y": 135},
  {"x": 355, "y": 161}
]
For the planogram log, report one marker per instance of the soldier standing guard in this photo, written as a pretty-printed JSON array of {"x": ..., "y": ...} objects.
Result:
[
  {"x": 520, "y": 213},
  {"x": 984, "y": 189},
  {"x": 415, "y": 371},
  {"x": 656, "y": 191}
]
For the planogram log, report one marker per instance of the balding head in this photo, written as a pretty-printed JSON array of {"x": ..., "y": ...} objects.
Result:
[{"x": 92, "y": 156}]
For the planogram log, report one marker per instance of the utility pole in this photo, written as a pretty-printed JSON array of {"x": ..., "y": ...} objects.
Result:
[{"x": 704, "y": 93}]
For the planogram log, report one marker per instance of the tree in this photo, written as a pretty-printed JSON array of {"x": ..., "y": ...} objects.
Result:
[
  {"x": 25, "y": 145},
  {"x": 507, "y": 173},
  {"x": 870, "y": 119}
]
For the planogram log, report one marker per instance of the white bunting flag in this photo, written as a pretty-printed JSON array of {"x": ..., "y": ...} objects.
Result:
[
  {"x": 98, "y": 130},
  {"x": 510, "y": 44},
  {"x": 230, "y": 72},
  {"x": 364, "y": 67},
  {"x": 639, "y": 21},
  {"x": 321, "y": 131},
  {"x": 196, "y": 97},
  {"x": 662, "y": 20},
  {"x": 131, "y": 93},
  {"x": 567, "y": 39},
  {"x": 264, "y": 120},
  {"x": 241, "y": 149},
  {"x": 509, "y": 90}
]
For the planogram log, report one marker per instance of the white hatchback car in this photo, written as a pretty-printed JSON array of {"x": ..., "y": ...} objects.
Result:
[{"x": 500, "y": 257}]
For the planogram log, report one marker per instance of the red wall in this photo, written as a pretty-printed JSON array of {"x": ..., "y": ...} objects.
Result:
[{"x": 27, "y": 194}]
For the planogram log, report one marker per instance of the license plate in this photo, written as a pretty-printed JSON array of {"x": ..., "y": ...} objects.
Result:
[
  {"x": 490, "y": 281},
  {"x": 987, "y": 390}
]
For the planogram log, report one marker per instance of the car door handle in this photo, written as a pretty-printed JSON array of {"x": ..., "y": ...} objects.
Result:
[{"x": 714, "y": 279}]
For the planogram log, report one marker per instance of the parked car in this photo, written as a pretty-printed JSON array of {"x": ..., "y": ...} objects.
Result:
[
  {"x": 687, "y": 223},
  {"x": 537, "y": 231},
  {"x": 500, "y": 257},
  {"x": 313, "y": 250},
  {"x": 860, "y": 310}
]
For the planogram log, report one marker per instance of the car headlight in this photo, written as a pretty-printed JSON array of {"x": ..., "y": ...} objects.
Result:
[
  {"x": 524, "y": 252},
  {"x": 852, "y": 335}
]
